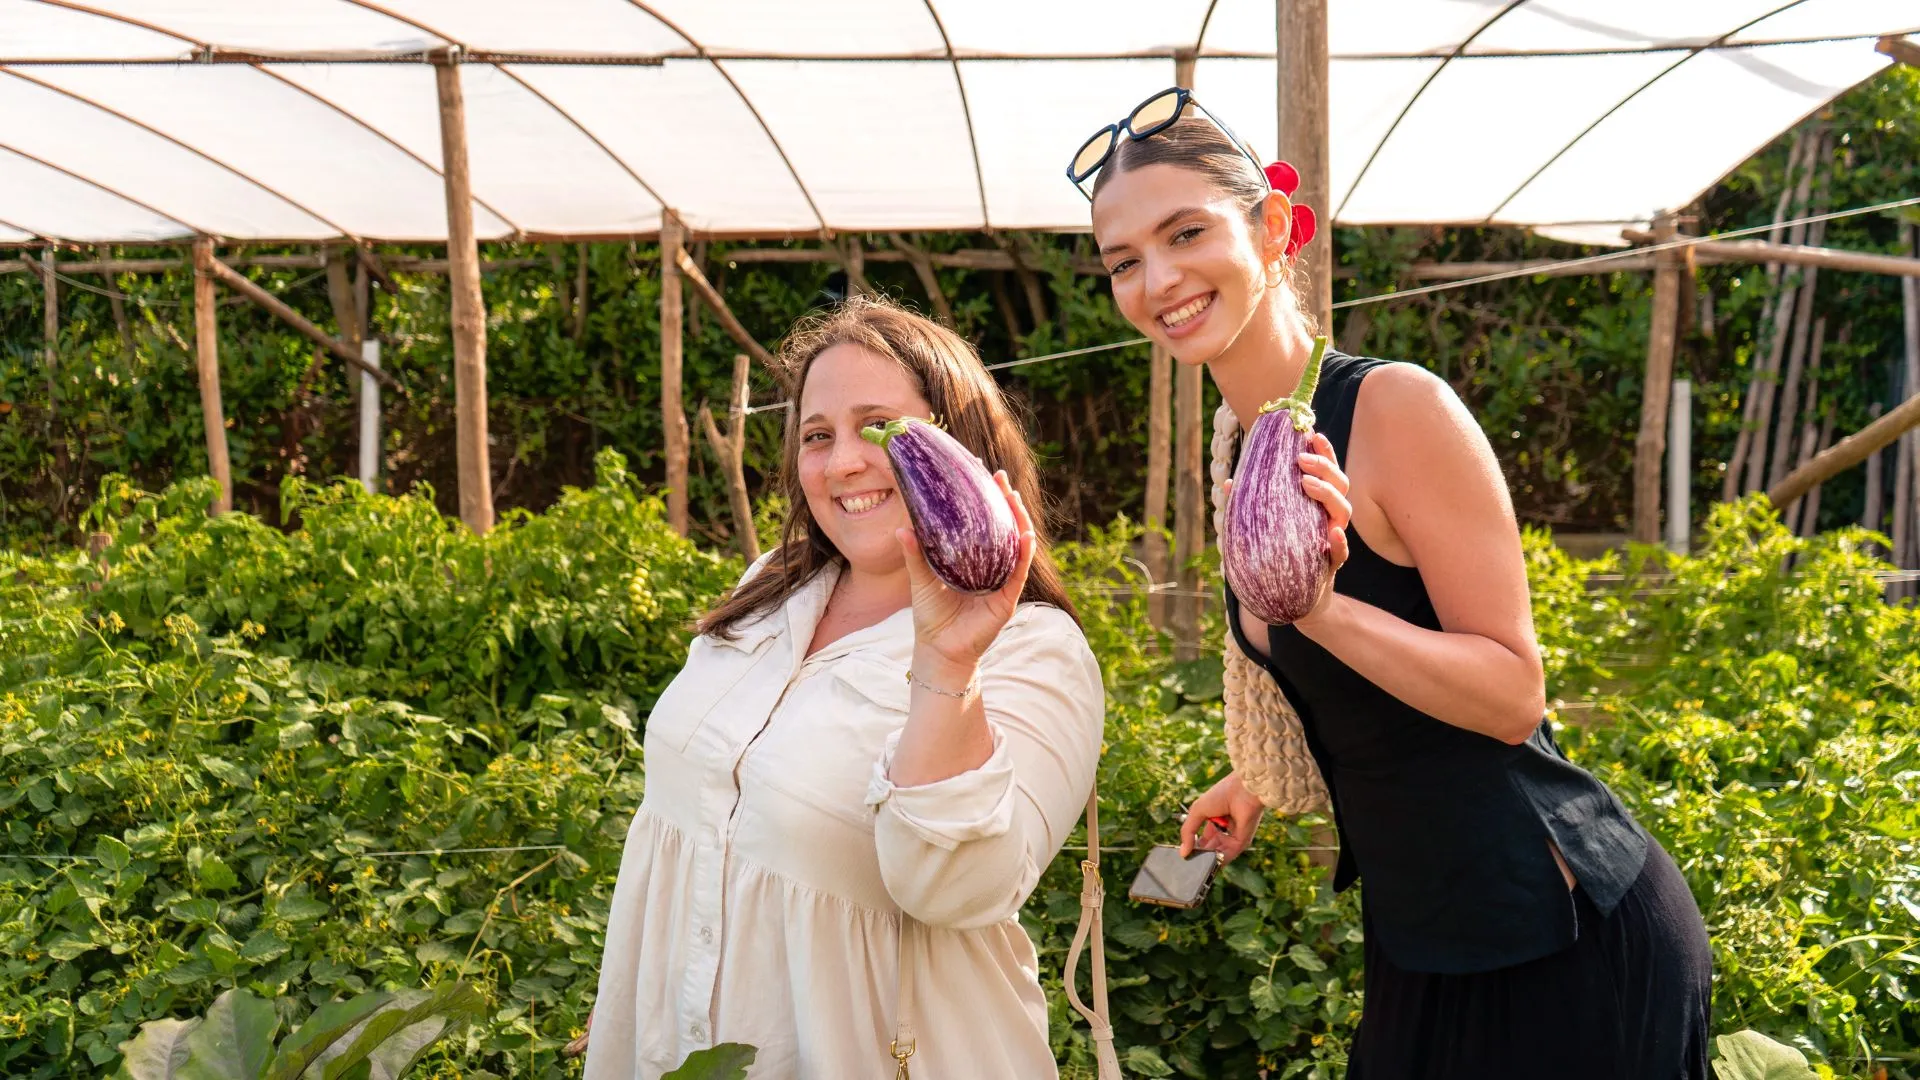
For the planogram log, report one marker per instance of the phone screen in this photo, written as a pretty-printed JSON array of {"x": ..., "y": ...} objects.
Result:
[{"x": 1167, "y": 879}]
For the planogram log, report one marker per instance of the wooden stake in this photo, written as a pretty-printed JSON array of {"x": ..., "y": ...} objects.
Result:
[
  {"x": 120, "y": 322},
  {"x": 1189, "y": 469},
  {"x": 711, "y": 297},
  {"x": 1030, "y": 284},
  {"x": 1003, "y": 300},
  {"x": 248, "y": 288},
  {"x": 1874, "y": 515},
  {"x": 1809, "y": 427},
  {"x": 50, "y": 328},
  {"x": 929, "y": 279},
  {"x": 207, "y": 337},
  {"x": 1901, "y": 49},
  {"x": 469, "y": 311},
  {"x": 1159, "y": 474},
  {"x": 1650, "y": 446},
  {"x": 346, "y": 313},
  {"x": 853, "y": 259},
  {"x": 1787, "y": 427},
  {"x": 1910, "y": 303},
  {"x": 1302, "y": 110},
  {"x": 731, "y": 449},
  {"x": 1189, "y": 511},
  {"x": 1810, "y": 506},
  {"x": 1767, "y": 375},
  {"x": 1902, "y": 481},
  {"x": 581, "y": 283},
  {"x": 673, "y": 411}
]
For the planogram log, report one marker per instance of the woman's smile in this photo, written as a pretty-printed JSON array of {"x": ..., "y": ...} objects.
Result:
[
  {"x": 1186, "y": 317},
  {"x": 859, "y": 504}
]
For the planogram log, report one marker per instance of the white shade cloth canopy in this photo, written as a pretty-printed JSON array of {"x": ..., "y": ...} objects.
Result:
[{"x": 132, "y": 121}]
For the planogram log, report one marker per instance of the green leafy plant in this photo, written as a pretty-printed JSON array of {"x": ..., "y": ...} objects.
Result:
[
  {"x": 727, "y": 1061},
  {"x": 1749, "y": 1055},
  {"x": 376, "y": 1036}
]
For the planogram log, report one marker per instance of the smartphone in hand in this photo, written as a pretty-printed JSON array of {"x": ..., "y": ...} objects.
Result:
[{"x": 1170, "y": 881}]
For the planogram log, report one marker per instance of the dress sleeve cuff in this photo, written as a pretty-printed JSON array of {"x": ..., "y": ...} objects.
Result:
[{"x": 973, "y": 805}]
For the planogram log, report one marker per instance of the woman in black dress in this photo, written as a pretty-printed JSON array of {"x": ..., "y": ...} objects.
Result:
[{"x": 1518, "y": 921}]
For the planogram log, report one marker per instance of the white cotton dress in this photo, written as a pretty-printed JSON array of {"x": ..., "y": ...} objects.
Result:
[{"x": 764, "y": 875}]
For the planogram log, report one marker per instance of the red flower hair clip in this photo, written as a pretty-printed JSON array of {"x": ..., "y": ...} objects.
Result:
[{"x": 1286, "y": 180}]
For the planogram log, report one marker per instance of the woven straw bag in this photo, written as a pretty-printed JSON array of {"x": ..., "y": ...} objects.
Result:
[{"x": 1265, "y": 741}]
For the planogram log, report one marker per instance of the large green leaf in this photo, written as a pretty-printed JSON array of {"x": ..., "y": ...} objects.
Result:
[
  {"x": 157, "y": 1052},
  {"x": 326, "y": 1026},
  {"x": 234, "y": 1042},
  {"x": 391, "y": 1059},
  {"x": 727, "y": 1061},
  {"x": 456, "y": 1002},
  {"x": 1749, "y": 1055}
]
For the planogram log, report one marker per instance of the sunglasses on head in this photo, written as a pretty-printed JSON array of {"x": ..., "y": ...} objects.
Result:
[{"x": 1150, "y": 117}]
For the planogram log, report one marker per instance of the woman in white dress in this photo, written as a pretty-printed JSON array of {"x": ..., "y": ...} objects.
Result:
[{"x": 858, "y": 777}]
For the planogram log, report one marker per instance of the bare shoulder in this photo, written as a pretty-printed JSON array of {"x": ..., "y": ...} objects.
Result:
[{"x": 1416, "y": 422}]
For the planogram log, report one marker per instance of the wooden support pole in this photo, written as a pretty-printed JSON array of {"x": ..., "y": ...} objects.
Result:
[
  {"x": 1910, "y": 455},
  {"x": 469, "y": 311},
  {"x": 581, "y": 284},
  {"x": 1680, "y": 468},
  {"x": 1649, "y": 447},
  {"x": 731, "y": 449},
  {"x": 1851, "y": 451},
  {"x": 1873, "y": 515},
  {"x": 206, "y": 334},
  {"x": 1159, "y": 475},
  {"x": 1787, "y": 425},
  {"x": 1736, "y": 252},
  {"x": 370, "y": 419},
  {"x": 673, "y": 411},
  {"x": 1189, "y": 511},
  {"x": 1302, "y": 109},
  {"x": 1810, "y": 438},
  {"x": 1810, "y": 505},
  {"x": 346, "y": 313},
  {"x": 853, "y": 259},
  {"x": 50, "y": 331},
  {"x": 1030, "y": 283},
  {"x": 1903, "y": 50},
  {"x": 1189, "y": 471},
  {"x": 250, "y": 289},
  {"x": 1766, "y": 375},
  {"x": 711, "y": 297},
  {"x": 929, "y": 279}
]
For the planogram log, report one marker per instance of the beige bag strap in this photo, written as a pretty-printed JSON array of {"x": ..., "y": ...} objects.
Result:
[
  {"x": 1092, "y": 894},
  {"x": 904, "y": 1043}
]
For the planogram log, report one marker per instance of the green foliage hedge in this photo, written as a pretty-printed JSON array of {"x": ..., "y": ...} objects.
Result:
[{"x": 378, "y": 752}]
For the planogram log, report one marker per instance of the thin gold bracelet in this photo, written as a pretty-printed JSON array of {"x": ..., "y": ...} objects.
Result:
[{"x": 958, "y": 696}]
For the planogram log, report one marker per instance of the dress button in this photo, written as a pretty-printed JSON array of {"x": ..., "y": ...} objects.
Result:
[
  {"x": 698, "y": 1031},
  {"x": 706, "y": 934}
]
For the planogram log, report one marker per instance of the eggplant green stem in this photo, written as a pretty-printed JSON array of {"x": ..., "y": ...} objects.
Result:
[
  {"x": 1300, "y": 402},
  {"x": 878, "y": 436}
]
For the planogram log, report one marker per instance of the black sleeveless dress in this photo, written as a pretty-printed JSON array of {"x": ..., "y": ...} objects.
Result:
[{"x": 1480, "y": 963}]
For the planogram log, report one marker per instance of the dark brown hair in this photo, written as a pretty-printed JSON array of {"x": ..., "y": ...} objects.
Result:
[
  {"x": 948, "y": 374},
  {"x": 1197, "y": 144}
]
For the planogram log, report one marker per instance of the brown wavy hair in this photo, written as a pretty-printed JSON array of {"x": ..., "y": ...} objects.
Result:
[{"x": 948, "y": 374}]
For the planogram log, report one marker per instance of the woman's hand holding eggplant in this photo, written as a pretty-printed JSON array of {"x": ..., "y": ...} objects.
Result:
[
  {"x": 952, "y": 629},
  {"x": 1323, "y": 481}
]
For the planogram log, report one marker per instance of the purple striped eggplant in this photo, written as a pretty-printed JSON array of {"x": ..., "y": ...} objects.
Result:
[
  {"x": 1275, "y": 550},
  {"x": 963, "y": 521}
]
